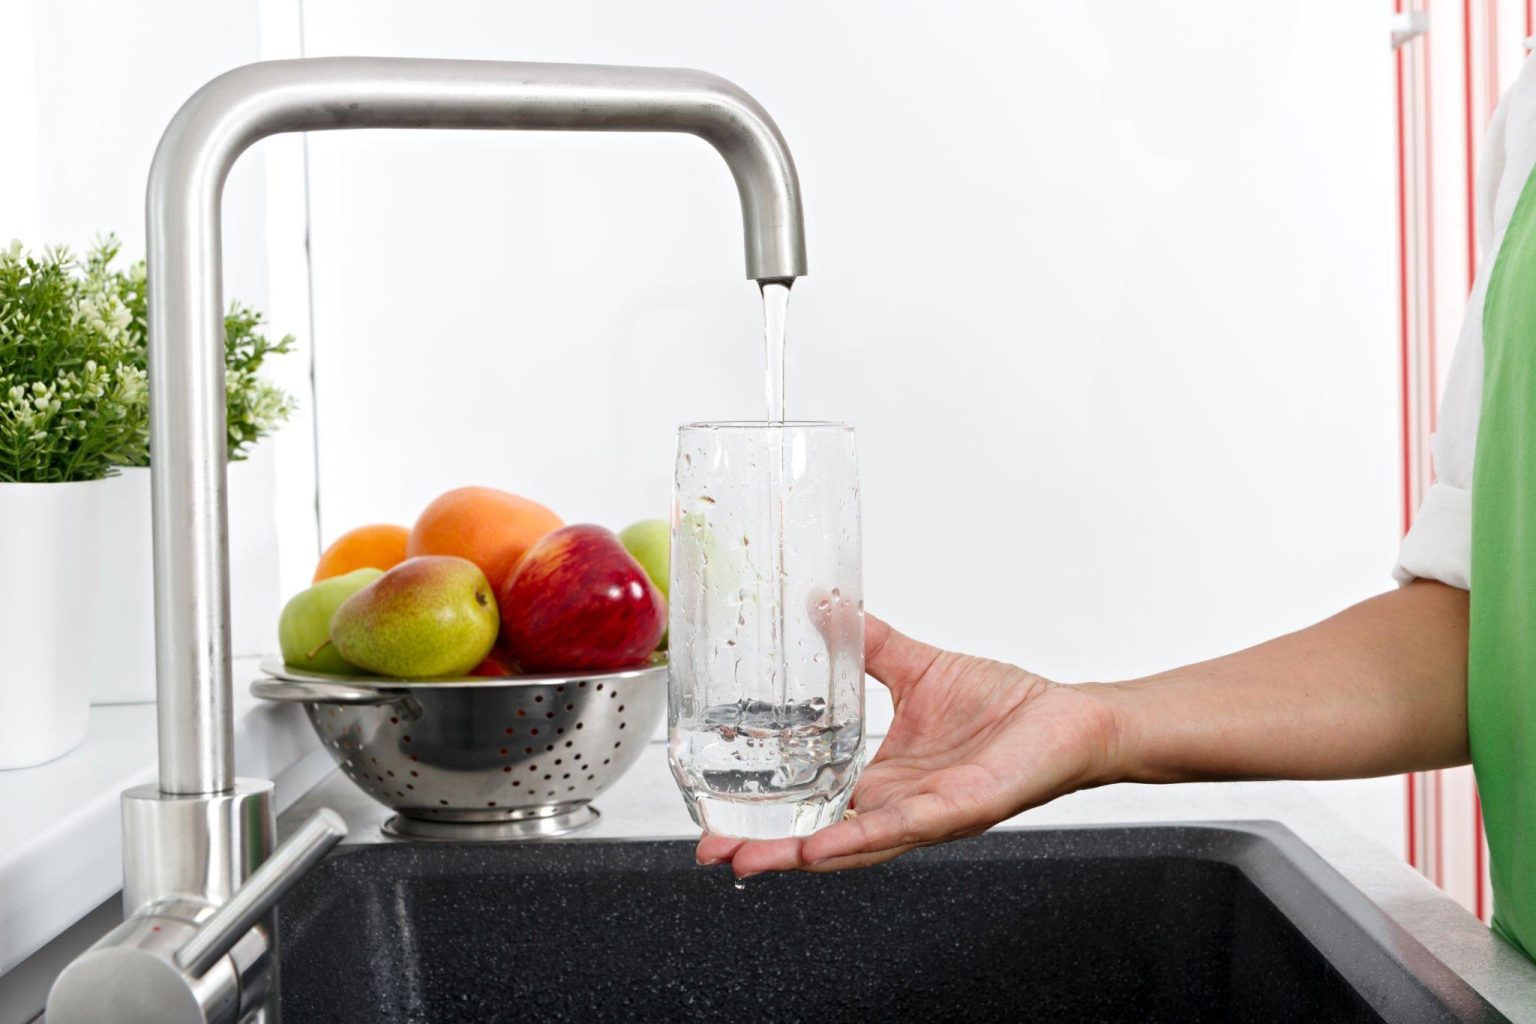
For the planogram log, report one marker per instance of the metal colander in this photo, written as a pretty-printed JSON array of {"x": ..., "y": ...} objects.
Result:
[{"x": 507, "y": 758}]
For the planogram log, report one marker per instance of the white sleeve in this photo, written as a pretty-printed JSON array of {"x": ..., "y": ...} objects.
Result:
[{"x": 1439, "y": 544}]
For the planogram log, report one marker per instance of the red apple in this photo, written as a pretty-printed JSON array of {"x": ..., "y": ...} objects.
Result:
[{"x": 578, "y": 601}]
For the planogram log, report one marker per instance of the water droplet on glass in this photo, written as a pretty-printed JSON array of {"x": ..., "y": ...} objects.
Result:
[{"x": 740, "y": 884}]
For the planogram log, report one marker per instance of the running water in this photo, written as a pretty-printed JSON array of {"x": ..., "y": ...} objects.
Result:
[{"x": 775, "y": 317}]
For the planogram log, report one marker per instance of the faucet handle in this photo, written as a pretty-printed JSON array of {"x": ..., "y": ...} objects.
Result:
[
  {"x": 164, "y": 966},
  {"x": 217, "y": 934}
]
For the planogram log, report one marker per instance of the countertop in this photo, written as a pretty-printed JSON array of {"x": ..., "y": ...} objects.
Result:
[{"x": 60, "y": 837}]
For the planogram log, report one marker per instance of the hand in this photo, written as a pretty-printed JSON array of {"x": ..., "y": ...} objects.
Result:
[{"x": 973, "y": 742}]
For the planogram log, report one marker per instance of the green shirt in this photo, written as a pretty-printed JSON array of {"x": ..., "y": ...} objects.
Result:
[{"x": 1501, "y": 682}]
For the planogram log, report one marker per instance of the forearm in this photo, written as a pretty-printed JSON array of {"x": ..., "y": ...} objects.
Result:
[{"x": 1379, "y": 688}]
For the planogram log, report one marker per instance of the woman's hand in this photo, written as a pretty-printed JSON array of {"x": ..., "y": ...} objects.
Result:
[{"x": 973, "y": 742}]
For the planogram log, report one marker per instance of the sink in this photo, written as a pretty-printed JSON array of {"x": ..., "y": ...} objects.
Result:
[{"x": 1229, "y": 922}]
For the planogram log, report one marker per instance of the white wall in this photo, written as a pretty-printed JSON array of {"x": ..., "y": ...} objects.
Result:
[
  {"x": 1107, "y": 289},
  {"x": 88, "y": 89}
]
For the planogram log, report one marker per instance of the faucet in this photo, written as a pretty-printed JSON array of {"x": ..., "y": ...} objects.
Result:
[{"x": 201, "y": 877}]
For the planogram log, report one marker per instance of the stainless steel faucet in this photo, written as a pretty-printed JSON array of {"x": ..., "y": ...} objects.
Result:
[{"x": 200, "y": 875}]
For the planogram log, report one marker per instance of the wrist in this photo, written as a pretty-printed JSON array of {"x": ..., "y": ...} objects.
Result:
[{"x": 1115, "y": 757}]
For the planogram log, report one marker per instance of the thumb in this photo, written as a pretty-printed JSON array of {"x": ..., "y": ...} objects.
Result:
[{"x": 894, "y": 658}]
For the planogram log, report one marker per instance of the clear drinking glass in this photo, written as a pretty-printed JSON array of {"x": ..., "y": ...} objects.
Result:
[{"x": 766, "y": 700}]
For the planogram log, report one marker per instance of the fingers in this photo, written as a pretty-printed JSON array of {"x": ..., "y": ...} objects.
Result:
[
  {"x": 715, "y": 849},
  {"x": 915, "y": 820},
  {"x": 894, "y": 658}
]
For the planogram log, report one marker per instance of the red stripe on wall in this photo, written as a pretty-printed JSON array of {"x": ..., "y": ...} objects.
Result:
[
  {"x": 1429, "y": 328},
  {"x": 1466, "y": 63}
]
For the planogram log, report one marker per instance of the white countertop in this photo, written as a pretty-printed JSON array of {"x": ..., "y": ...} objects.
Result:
[{"x": 60, "y": 839}]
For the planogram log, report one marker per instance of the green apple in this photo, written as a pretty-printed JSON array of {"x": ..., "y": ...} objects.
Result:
[
  {"x": 304, "y": 629},
  {"x": 649, "y": 542}
]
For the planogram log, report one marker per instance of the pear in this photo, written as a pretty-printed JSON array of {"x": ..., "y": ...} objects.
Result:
[
  {"x": 304, "y": 628},
  {"x": 429, "y": 616}
]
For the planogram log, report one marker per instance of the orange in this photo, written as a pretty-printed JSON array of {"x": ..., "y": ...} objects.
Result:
[
  {"x": 380, "y": 546},
  {"x": 491, "y": 528}
]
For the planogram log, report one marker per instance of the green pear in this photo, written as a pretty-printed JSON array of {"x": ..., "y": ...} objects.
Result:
[
  {"x": 429, "y": 616},
  {"x": 649, "y": 542},
  {"x": 304, "y": 628}
]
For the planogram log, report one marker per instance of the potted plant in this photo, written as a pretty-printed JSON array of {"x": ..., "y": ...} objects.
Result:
[
  {"x": 76, "y": 593},
  {"x": 254, "y": 408},
  {"x": 73, "y": 409}
]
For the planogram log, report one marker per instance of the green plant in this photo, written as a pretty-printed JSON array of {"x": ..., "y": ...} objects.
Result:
[
  {"x": 74, "y": 361},
  {"x": 73, "y": 401}
]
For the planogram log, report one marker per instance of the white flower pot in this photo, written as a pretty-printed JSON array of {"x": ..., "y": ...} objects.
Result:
[
  {"x": 50, "y": 548},
  {"x": 123, "y": 657}
]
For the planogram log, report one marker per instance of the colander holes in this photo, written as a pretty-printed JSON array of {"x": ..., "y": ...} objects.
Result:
[
  {"x": 618, "y": 744},
  {"x": 570, "y": 789},
  {"x": 599, "y": 686},
  {"x": 415, "y": 774},
  {"x": 415, "y": 758},
  {"x": 551, "y": 792},
  {"x": 581, "y": 725},
  {"x": 405, "y": 739},
  {"x": 557, "y": 760},
  {"x": 533, "y": 767},
  {"x": 390, "y": 774},
  {"x": 582, "y": 684},
  {"x": 559, "y": 689},
  {"x": 521, "y": 713},
  {"x": 570, "y": 707},
  {"x": 567, "y": 742},
  {"x": 566, "y": 775},
  {"x": 399, "y": 792},
  {"x": 623, "y": 724},
  {"x": 409, "y": 786},
  {"x": 517, "y": 782},
  {"x": 621, "y": 707},
  {"x": 538, "y": 699},
  {"x": 577, "y": 757},
  {"x": 506, "y": 768},
  {"x": 591, "y": 777},
  {"x": 613, "y": 695},
  {"x": 490, "y": 803},
  {"x": 533, "y": 732},
  {"x": 527, "y": 750},
  {"x": 380, "y": 778},
  {"x": 374, "y": 760},
  {"x": 394, "y": 719},
  {"x": 607, "y": 759},
  {"x": 549, "y": 714},
  {"x": 548, "y": 777},
  {"x": 507, "y": 730},
  {"x": 561, "y": 732},
  {"x": 443, "y": 802},
  {"x": 549, "y": 749}
]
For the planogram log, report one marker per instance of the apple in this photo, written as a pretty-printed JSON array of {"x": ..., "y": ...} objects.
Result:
[
  {"x": 579, "y": 602},
  {"x": 304, "y": 628},
  {"x": 650, "y": 542}
]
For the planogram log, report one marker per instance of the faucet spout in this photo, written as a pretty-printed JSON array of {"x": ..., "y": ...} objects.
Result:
[{"x": 186, "y": 334}]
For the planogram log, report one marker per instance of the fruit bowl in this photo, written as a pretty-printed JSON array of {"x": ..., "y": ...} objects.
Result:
[{"x": 511, "y": 757}]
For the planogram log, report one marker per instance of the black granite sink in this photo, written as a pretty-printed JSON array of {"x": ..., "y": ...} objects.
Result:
[{"x": 1145, "y": 923}]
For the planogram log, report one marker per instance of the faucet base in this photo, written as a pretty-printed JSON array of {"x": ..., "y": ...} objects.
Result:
[
  {"x": 196, "y": 850},
  {"x": 197, "y": 847}
]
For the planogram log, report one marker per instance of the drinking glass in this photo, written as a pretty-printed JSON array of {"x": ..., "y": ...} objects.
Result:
[{"x": 766, "y": 697}]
